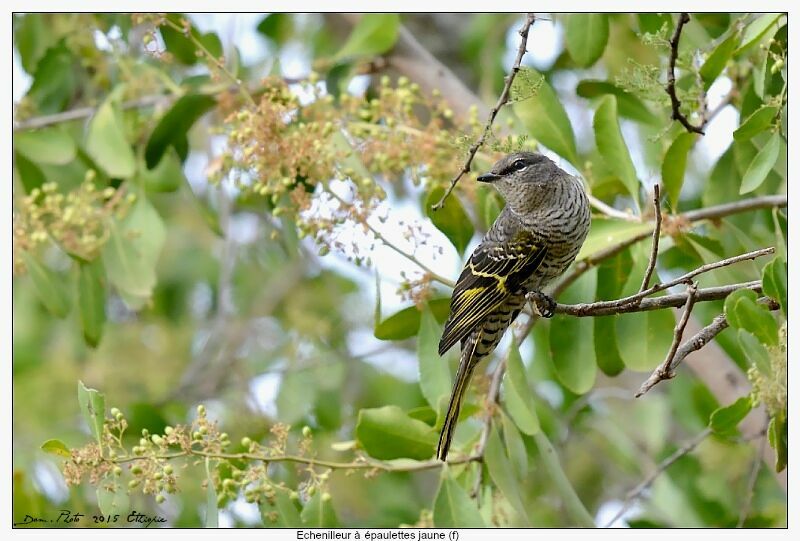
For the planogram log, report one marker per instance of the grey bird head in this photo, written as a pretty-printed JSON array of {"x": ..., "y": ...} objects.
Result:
[{"x": 527, "y": 181}]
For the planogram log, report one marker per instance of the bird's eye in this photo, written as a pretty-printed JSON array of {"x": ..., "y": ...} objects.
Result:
[{"x": 519, "y": 165}]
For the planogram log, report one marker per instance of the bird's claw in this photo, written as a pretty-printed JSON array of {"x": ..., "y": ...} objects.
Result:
[{"x": 542, "y": 304}]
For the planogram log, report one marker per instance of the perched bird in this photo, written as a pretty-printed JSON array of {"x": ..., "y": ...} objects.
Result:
[{"x": 534, "y": 239}]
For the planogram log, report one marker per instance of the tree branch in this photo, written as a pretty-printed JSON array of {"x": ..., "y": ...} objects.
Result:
[
  {"x": 651, "y": 265},
  {"x": 673, "y": 57},
  {"x": 501, "y": 101}
]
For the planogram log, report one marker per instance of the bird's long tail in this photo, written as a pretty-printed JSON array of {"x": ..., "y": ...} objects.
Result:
[{"x": 465, "y": 368}]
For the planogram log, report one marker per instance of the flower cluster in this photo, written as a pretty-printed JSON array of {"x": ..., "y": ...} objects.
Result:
[
  {"x": 77, "y": 221},
  {"x": 771, "y": 389}
]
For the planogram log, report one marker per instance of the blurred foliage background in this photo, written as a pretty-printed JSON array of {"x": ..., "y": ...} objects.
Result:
[{"x": 234, "y": 211}]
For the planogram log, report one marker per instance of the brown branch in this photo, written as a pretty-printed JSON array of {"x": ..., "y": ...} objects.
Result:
[
  {"x": 637, "y": 491},
  {"x": 673, "y": 57},
  {"x": 651, "y": 265},
  {"x": 501, "y": 101},
  {"x": 666, "y": 370}
]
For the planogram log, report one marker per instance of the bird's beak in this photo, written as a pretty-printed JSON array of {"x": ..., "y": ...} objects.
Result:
[{"x": 488, "y": 177}]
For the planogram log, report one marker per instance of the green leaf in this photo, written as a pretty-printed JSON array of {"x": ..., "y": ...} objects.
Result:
[
  {"x": 502, "y": 473},
  {"x": 756, "y": 123},
  {"x": 54, "y": 81},
  {"x": 405, "y": 323},
  {"x": 572, "y": 338},
  {"x": 133, "y": 248},
  {"x": 281, "y": 512},
  {"x": 93, "y": 408},
  {"x": 776, "y": 283},
  {"x": 586, "y": 37},
  {"x": 725, "y": 420},
  {"x": 388, "y": 432},
  {"x": 182, "y": 47},
  {"x": 106, "y": 143},
  {"x": 30, "y": 175},
  {"x": 296, "y": 396},
  {"x": 31, "y": 38},
  {"x": 453, "y": 508},
  {"x": 515, "y": 447},
  {"x": 278, "y": 27},
  {"x": 778, "y": 433},
  {"x": 651, "y": 23},
  {"x": 673, "y": 168},
  {"x": 56, "y": 447},
  {"x": 612, "y": 147},
  {"x": 517, "y": 394},
  {"x": 92, "y": 300},
  {"x": 611, "y": 277},
  {"x": 319, "y": 513},
  {"x": 756, "y": 352},
  {"x": 606, "y": 232},
  {"x": 761, "y": 165},
  {"x": 50, "y": 287},
  {"x": 48, "y": 145},
  {"x": 212, "y": 513},
  {"x": 629, "y": 106},
  {"x": 743, "y": 312},
  {"x": 718, "y": 58},
  {"x": 451, "y": 219},
  {"x": 489, "y": 206},
  {"x": 757, "y": 30},
  {"x": 374, "y": 34},
  {"x": 174, "y": 126},
  {"x": 166, "y": 177},
  {"x": 434, "y": 372},
  {"x": 545, "y": 119},
  {"x": 113, "y": 502}
]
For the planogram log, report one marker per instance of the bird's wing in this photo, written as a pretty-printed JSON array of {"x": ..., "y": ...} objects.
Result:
[{"x": 495, "y": 271}]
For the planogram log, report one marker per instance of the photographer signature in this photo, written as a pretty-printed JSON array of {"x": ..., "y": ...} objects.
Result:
[{"x": 69, "y": 517}]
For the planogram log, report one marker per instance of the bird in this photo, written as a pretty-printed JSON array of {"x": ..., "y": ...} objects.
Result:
[{"x": 534, "y": 239}]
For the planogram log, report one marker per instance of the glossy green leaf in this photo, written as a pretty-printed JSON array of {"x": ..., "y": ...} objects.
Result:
[
  {"x": 434, "y": 372},
  {"x": 572, "y": 338},
  {"x": 612, "y": 274},
  {"x": 405, "y": 323},
  {"x": 756, "y": 123},
  {"x": 761, "y": 165},
  {"x": 545, "y": 119},
  {"x": 388, "y": 432},
  {"x": 56, "y": 447},
  {"x": 451, "y": 219},
  {"x": 453, "y": 508},
  {"x": 182, "y": 47},
  {"x": 612, "y": 147},
  {"x": 280, "y": 512},
  {"x": 54, "y": 80},
  {"x": 30, "y": 175},
  {"x": 278, "y": 27},
  {"x": 174, "y": 126},
  {"x": 586, "y": 37},
  {"x": 515, "y": 446},
  {"x": 776, "y": 282},
  {"x": 756, "y": 353},
  {"x": 757, "y": 30},
  {"x": 651, "y": 23},
  {"x": 318, "y": 512},
  {"x": 716, "y": 61},
  {"x": 31, "y": 39},
  {"x": 606, "y": 232},
  {"x": 517, "y": 395},
  {"x": 167, "y": 176},
  {"x": 50, "y": 287},
  {"x": 92, "y": 300},
  {"x": 374, "y": 34},
  {"x": 93, "y": 408},
  {"x": 628, "y": 105},
  {"x": 133, "y": 249},
  {"x": 743, "y": 312},
  {"x": 725, "y": 420},
  {"x": 673, "y": 168},
  {"x": 48, "y": 145},
  {"x": 106, "y": 143},
  {"x": 778, "y": 433},
  {"x": 502, "y": 473}
]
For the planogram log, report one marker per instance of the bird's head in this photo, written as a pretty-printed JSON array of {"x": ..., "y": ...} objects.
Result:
[{"x": 526, "y": 180}]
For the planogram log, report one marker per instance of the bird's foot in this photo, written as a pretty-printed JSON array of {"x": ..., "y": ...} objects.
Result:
[{"x": 543, "y": 305}]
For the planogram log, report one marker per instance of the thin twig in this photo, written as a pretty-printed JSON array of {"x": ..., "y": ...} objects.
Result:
[
  {"x": 665, "y": 370},
  {"x": 637, "y": 491},
  {"x": 673, "y": 57},
  {"x": 501, "y": 101},
  {"x": 610, "y": 211},
  {"x": 85, "y": 112},
  {"x": 651, "y": 265}
]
